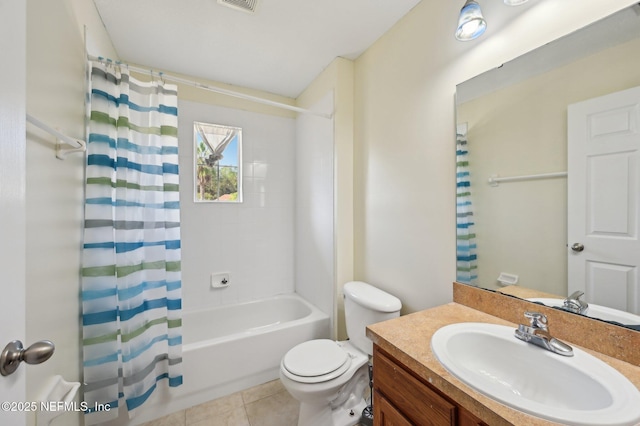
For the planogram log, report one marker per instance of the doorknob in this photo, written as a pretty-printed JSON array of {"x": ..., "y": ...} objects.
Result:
[
  {"x": 577, "y": 247},
  {"x": 14, "y": 353}
]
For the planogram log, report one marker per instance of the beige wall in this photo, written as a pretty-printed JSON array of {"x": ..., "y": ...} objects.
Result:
[
  {"x": 521, "y": 227},
  {"x": 404, "y": 138}
]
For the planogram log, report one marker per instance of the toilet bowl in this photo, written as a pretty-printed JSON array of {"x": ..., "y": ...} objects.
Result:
[
  {"x": 326, "y": 376},
  {"x": 329, "y": 378}
]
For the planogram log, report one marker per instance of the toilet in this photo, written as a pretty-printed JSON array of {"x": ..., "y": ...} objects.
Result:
[{"x": 328, "y": 378}]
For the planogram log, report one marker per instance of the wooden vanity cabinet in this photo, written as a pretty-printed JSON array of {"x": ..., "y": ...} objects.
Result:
[{"x": 402, "y": 399}]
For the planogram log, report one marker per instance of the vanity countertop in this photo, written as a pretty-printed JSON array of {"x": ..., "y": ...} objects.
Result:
[{"x": 408, "y": 339}]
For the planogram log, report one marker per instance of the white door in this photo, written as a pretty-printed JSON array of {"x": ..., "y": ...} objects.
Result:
[
  {"x": 12, "y": 199},
  {"x": 603, "y": 199}
]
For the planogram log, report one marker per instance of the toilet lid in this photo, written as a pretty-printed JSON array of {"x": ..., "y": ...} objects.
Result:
[{"x": 315, "y": 358}]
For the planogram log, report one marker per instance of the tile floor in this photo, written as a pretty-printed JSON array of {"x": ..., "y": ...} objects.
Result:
[{"x": 265, "y": 405}]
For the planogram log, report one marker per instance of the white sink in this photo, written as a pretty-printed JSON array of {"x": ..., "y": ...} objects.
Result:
[
  {"x": 596, "y": 311},
  {"x": 578, "y": 390}
]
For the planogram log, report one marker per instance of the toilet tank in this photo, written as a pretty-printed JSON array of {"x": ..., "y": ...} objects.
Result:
[{"x": 365, "y": 304}]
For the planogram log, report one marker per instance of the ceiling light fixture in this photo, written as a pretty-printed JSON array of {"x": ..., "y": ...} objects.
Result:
[{"x": 471, "y": 23}]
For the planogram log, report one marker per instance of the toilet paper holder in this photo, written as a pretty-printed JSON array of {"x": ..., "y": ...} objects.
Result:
[{"x": 506, "y": 279}]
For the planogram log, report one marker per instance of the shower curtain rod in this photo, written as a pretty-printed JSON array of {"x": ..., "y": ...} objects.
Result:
[
  {"x": 211, "y": 88},
  {"x": 76, "y": 145}
]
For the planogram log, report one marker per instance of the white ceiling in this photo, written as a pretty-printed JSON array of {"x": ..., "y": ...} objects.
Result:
[{"x": 279, "y": 49}]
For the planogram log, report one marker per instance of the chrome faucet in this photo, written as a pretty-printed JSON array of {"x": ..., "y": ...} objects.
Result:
[
  {"x": 537, "y": 333},
  {"x": 574, "y": 304}
]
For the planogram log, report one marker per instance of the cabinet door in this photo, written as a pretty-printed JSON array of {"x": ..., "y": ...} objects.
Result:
[
  {"x": 414, "y": 399},
  {"x": 386, "y": 414},
  {"x": 465, "y": 418},
  {"x": 402, "y": 399}
]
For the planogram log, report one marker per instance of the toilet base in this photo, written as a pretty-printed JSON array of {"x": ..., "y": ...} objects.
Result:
[
  {"x": 316, "y": 415},
  {"x": 349, "y": 416},
  {"x": 345, "y": 410}
]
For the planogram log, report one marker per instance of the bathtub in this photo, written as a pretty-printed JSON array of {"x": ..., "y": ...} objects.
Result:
[{"x": 231, "y": 348}]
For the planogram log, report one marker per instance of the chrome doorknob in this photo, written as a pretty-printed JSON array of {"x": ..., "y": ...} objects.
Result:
[
  {"x": 14, "y": 353},
  {"x": 577, "y": 247}
]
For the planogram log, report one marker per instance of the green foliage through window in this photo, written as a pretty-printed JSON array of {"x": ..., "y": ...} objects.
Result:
[{"x": 217, "y": 162}]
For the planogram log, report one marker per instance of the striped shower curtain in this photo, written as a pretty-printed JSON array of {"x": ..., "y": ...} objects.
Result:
[
  {"x": 131, "y": 279},
  {"x": 466, "y": 258}
]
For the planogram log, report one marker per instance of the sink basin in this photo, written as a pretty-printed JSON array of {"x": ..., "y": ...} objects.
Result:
[
  {"x": 578, "y": 390},
  {"x": 596, "y": 311}
]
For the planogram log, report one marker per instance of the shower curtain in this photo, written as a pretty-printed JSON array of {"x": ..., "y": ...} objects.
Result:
[
  {"x": 131, "y": 279},
  {"x": 466, "y": 258}
]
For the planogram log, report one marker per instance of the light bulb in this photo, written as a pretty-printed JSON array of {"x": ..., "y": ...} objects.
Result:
[{"x": 471, "y": 23}]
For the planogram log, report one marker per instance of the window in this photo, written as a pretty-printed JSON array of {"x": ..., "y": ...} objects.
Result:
[{"x": 217, "y": 163}]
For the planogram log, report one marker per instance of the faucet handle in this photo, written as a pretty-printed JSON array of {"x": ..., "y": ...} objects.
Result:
[
  {"x": 537, "y": 320},
  {"x": 573, "y": 303},
  {"x": 576, "y": 295}
]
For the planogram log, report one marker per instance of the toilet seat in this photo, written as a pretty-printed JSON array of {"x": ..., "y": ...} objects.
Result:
[{"x": 315, "y": 361}]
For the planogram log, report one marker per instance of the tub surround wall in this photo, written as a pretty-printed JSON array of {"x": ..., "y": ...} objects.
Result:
[
  {"x": 314, "y": 221},
  {"x": 408, "y": 338},
  {"x": 611, "y": 340},
  {"x": 337, "y": 78},
  {"x": 253, "y": 240}
]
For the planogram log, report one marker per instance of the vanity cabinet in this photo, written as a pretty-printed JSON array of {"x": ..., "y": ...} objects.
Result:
[{"x": 402, "y": 399}]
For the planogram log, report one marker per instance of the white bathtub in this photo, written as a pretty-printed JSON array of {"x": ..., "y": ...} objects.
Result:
[{"x": 230, "y": 348}]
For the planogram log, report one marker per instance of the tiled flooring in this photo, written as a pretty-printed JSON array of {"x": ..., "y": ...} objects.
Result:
[{"x": 265, "y": 405}]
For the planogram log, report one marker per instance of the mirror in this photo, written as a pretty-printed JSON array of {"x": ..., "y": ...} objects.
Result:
[{"x": 512, "y": 122}]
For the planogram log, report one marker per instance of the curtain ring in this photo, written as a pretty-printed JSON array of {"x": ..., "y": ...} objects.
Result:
[{"x": 154, "y": 76}]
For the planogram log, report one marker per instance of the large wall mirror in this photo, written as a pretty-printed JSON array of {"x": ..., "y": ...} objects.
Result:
[{"x": 551, "y": 144}]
